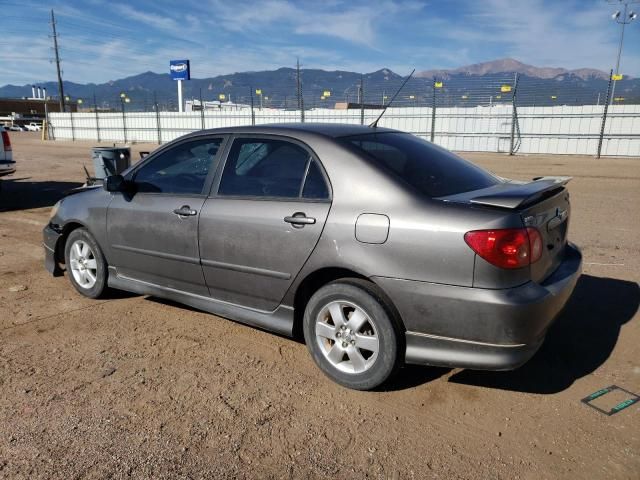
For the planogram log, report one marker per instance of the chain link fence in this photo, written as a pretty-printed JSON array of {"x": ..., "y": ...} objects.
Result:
[{"x": 495, "y": 113}]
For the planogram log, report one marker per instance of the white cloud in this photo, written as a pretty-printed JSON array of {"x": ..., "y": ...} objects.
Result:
[
  {"x": 222, "y": 37},
  {"x": 356, "y": 24},
  {"x": 153, "y": 20},
  {"x": 570, "y": 35}
]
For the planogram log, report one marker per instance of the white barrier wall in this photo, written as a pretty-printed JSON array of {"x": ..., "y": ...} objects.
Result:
[{"x": 555, "y": 130}]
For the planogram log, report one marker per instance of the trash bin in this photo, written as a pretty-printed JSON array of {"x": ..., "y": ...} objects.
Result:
[{"x": 110, "y": 161}]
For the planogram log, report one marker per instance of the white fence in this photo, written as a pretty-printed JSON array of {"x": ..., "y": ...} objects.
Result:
[{"x": 555, "y": 130}]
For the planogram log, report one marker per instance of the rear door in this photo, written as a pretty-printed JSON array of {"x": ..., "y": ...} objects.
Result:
[
  {"x": 153, "y": 233},
  {"x": 262, "y": 221}
]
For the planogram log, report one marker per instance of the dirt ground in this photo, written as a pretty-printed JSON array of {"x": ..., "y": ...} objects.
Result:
[{"x": 137, "y": 387}]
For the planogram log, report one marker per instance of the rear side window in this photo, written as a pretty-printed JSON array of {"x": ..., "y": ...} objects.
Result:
[
  {"x": 315, "y": 186},
  {"x": 271, "y": 168},
  {"x": 430, "y": 169}
]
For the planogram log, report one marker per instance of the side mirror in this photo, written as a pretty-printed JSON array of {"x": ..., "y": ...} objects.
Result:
[{"x": 116, "y": 183}]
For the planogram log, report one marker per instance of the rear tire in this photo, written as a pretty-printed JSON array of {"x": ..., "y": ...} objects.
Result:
[
  {"x": 85, "y": 263},
  {"x": 351, "y": 334}
]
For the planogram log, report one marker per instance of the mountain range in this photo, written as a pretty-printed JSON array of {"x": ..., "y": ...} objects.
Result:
[
  {"x": 469, "y": 85},
  {"x": 511, "y": 65}
]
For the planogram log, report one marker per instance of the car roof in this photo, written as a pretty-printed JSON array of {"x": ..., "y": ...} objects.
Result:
[{"x": 333, "y": 130}]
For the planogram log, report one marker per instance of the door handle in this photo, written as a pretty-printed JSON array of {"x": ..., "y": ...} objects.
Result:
[
  {"x": 299, "y": 220},
  {"x": 185, "y": 211}
]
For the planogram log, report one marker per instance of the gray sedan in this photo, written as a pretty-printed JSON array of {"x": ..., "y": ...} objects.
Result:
[{"x": 378, "y": 247}]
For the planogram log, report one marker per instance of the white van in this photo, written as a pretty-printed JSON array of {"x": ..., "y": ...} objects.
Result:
[{"x": 7, "y": 165}]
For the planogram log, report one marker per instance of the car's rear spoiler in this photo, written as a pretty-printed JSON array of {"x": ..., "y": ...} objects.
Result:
[{"x": 515, "y": 195}]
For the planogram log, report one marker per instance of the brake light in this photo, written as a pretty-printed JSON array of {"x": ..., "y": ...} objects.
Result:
[
  {"x": 507, "y": 247},
  {"x": 6, "y": 141}
]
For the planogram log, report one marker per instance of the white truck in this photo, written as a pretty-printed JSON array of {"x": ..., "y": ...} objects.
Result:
[
  {"x": 7, "y": 164},
  {"x": 34, "y": 127}
]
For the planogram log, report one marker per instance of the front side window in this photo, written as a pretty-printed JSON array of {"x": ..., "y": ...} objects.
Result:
[
  {"x": 182, "y": 169},
  {"x": 269, "y": 168},
  {"x": 430, "y": 169}
]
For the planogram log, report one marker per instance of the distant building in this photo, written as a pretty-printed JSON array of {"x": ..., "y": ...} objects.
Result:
[
  {"x": 214, "y": 105},
  {"x": 25, "y": 110},
  {"x": 357, "y": 106}
]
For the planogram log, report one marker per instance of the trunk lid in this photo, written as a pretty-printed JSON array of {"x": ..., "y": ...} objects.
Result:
[{"x": 543, "y": 203}]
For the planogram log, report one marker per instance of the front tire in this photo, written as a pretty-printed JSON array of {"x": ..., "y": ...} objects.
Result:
[
  {"x": 85, "y": 263},
  {"x": 351, "y": 335}
]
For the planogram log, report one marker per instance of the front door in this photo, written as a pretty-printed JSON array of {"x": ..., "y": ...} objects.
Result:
[
  {"x": 153, "y": 233},
  {"x": 265, "y": 220}
]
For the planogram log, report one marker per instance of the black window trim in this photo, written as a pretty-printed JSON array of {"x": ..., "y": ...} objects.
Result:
[
  {"x": 131, "y": 174},
  {"x": 215, "y": 187}
]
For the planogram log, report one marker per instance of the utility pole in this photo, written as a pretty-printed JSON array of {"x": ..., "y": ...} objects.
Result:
[
  {"x": 299, "y": 86},
  {"x": 55, "y": 47}
]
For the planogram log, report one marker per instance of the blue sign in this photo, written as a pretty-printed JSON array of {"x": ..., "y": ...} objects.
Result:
[{"x": 179, "y": 69}]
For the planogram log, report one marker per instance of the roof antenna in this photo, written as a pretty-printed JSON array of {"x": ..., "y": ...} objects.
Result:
[{"x": 375, "y": 123}]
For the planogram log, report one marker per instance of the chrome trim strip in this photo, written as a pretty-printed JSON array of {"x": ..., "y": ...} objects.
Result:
[
  {"x": 153, "y": 253},
  {"x": 245, "y": 269},
  {"x": 460, "y": 340}
]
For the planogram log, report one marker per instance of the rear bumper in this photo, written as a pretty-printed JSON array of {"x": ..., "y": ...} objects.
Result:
[
  {"x": 451, "y": 352},
  {"x": 50, "y": 243},
  {"x": 481, "y": 328},
  {"x": 7, "y": 167}
]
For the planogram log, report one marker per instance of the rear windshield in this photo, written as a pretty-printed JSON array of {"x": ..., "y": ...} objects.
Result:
[{"x": 430, "y": 169}]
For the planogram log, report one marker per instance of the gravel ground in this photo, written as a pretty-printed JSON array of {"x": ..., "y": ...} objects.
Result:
[{"x": 138, "y": 387}]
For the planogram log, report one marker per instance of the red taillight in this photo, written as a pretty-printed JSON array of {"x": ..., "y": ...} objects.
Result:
[
  {"x": 6, "y": 141},
  {"x": 508, "y": 247}
]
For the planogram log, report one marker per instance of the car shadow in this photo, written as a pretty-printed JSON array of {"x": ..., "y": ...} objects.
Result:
[
  {"x": 581, "y": 340},
  {"x": 115, "y": 294},
  {"x": 410, "y": 376},
  {"x": 24, "y": 194}
]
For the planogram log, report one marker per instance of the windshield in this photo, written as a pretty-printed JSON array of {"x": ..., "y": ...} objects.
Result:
[{"x": 430, "y": 169}]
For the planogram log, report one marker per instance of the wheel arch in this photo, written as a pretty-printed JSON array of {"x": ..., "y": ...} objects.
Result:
[
  {"x": 62, "y": 241},
  {"x": 321, "y": 277}
]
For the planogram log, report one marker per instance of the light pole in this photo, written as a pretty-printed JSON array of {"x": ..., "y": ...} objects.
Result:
[
  {"x": 623, "y": 18},
  {"x": 124, "y": 99}
]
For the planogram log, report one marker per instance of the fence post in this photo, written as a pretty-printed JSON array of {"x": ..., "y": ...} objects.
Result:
[
  {"x": 124, "y": 121},
  {"x": 253, "y": 113},
  {"x": 45, "y": 127},
  {"x": 433, "y": 111},
  {"x": 361, "y": 100},
  {"x": 73, "y": 130},
  {"x": 514, "y": 116},
  {"x": 95, "y": 110},
  {"x": 299, "y": 88},
  {"x": 604, "y": 114},
  {"x": 201, "y": 110},
  {"x": 155, "y": 101}
]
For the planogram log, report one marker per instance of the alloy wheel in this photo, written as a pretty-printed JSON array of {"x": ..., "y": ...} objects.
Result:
[
  {"x": 83, "y": 264},
  {"x": 347, "y": 337}
]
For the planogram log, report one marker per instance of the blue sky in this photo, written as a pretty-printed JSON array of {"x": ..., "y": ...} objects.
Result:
[{"x": 107, "y": 40}]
